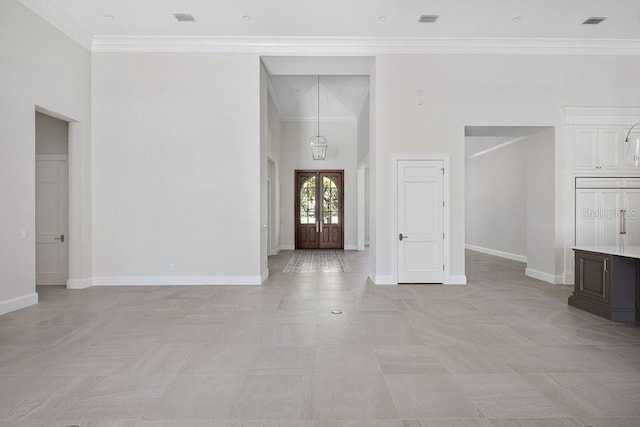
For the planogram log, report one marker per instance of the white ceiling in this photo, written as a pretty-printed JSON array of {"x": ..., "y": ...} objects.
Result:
[
  {"x": 149, "y": 25},
  {"x": 479, "y": 139},
  {"x": 341, "y": 97},
  {"x": 353, "y": 18}
]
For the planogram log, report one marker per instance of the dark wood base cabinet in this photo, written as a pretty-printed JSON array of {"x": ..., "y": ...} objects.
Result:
[{"x": 606, "y": 285}]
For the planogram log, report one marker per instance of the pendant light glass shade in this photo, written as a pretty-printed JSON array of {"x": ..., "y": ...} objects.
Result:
[
  {"x": 632, "y": 154},
  {"x": 318, "y": 142}
]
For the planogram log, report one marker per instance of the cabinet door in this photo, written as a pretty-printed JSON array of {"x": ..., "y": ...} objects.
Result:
[
  {"x": 585, "y": 147},
  {"x": 592, "y": 280},
  {"x": 597, "y": 216},
  {"x": 631, "y": 203},
  {"x": 610, "y": 148}
]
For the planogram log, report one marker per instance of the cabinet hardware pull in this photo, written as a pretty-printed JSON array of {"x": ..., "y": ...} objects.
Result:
[
  {"x": 623, "y": 221},
  {"x": 604, "y": 279}
]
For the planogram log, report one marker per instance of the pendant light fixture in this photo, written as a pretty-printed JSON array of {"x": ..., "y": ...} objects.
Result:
[
  {"x": 318, "y": 142},
  {"x": 633, "y": 148}
]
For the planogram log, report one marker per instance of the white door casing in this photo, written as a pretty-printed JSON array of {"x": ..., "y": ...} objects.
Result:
[
  {"x": 52, "y": 220},
  {"x": 420, "y": 221}
]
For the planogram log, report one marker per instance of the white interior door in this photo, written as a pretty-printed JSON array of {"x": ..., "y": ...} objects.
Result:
[
  {"x": 420, "y": 221},
  {"x": 52, "y": 222}
]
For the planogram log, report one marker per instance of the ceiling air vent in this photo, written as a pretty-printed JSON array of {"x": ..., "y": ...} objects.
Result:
[
  {"x": 184, "y": 17},
  {"x": 428, "y": 18},
  {"x": 594, "y": 20}
]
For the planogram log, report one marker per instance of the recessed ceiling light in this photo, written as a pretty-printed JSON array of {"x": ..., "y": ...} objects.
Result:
[
  {"x": 594, "y": 20},
  {"x": 382, "y": 18},
  {"x": 110, "y": 17},
  {"x": 428, "y": 18},
  {"x": 246, "y": 18},
  {"x": 184, "y": 17},
  {"x": 517, "y": 19}
]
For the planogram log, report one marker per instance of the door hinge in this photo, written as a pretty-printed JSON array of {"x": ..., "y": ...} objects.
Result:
[
  {"x": 443, "y": 235},
  {"x": 443, "y": 203},
  {"x": 442, "y": 267},
  {"x": 442, "y": 169}
]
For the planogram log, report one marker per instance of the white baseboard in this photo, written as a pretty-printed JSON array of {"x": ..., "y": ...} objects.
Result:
[
  {"x": 264, "y": 276},
  {"x": 175, "y": 280},
  {"x": 366, "y": 243},
  {"x": 13, "y": 304},
  {"x": 350, "y": 247},
  {"x": 383, "y": 280},
  {"x": 276, "y": 251},
  {"x": 457, "y": 280},
  {"x": 545, "y": 277},
  {"x": 287, "y": 247},
  {"x": 494, "y": 252},
  {"x": 79, "y": 283}
]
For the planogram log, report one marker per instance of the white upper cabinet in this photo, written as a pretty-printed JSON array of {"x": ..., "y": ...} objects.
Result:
[
  {"x": 595, "y": 139},
  {"x": 598, "y": 148}
]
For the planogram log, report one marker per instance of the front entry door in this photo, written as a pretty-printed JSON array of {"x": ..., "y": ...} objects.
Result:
[
  {"x": 319, "y": 210},
  {"x": 420, "y": 221}
]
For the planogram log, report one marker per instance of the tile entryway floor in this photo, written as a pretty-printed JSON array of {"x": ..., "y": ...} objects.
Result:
[
  {"x": 317, "y": 261},
  {"x": 505, "y": 350}
]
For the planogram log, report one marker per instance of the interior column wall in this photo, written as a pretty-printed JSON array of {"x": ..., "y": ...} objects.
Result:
[{"x": 41, "y": 68}]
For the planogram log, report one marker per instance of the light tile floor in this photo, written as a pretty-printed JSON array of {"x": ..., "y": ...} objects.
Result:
[{"x": 506, "y": 350}]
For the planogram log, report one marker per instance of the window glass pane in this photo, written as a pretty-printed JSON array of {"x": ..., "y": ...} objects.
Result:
[
  {"x": 330, "y": 201},
  {"x": 308, "y": 201}
]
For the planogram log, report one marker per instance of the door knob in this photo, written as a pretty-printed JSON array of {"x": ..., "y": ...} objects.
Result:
[
  {"x": 61, "y": 238},
  {"x": 401, "y": 237}
]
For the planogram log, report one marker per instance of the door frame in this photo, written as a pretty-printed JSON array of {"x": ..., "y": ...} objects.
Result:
[
  {"x": 446, "y": 193},
  {"x": 296, "y": 202}
]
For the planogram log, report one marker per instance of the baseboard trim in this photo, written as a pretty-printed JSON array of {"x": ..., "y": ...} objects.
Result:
[
  {"x": 350, "y": 247},
  {"x": 276, "y": 251},
  {"x": 79, "y": 283},
  {"x": 264, "y": 276},
  {"x": 494, "y": 252},
  {"x": 383, "y": 280},
  {"x": 175, "y": 280},
  {"x": 13, "y": 304},
  {"x": 288, "y": 247},
  {"x": 545, "y": 277},
  {"x": 457, "y": 280}
]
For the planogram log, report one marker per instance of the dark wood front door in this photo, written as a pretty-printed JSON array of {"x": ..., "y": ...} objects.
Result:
[{"x": 319, "y": 210}]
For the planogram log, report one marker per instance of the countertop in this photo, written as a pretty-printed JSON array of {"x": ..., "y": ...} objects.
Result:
[{"x": 624, "y": 251}]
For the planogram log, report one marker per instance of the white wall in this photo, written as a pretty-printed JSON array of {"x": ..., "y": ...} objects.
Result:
[
  {"x": 477, "y": 90},
  {"x": 274, "y": 148},
  {"x": 39, "y": 67},
  {"x": 296, "y": 154},
  {"x": 177, "y": 168},
  {"x": 52, "y": 135},
  {"x": 496, "y": 200},
  {"x": 363, "y": 130},
  {"x": 541, "y": 207}
]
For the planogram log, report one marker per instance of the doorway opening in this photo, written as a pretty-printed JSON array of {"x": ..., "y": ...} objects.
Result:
[
  {"x": 52, "y": 200},
  {"x": 319, "y": 209},
  {"x": 510, "y": 188}
]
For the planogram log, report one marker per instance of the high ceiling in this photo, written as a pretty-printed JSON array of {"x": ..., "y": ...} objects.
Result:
[
  {"x": 341, "y": 97},
  {"x": 354, "y": 18},
  {"x": 353, "y": 24}
]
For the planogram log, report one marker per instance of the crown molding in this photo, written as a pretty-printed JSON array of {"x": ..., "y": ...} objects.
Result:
[
  {"x": 314, "y": 119},
  {"x": 366, "y": 45},
  {"x": 54, "y": 16}
]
